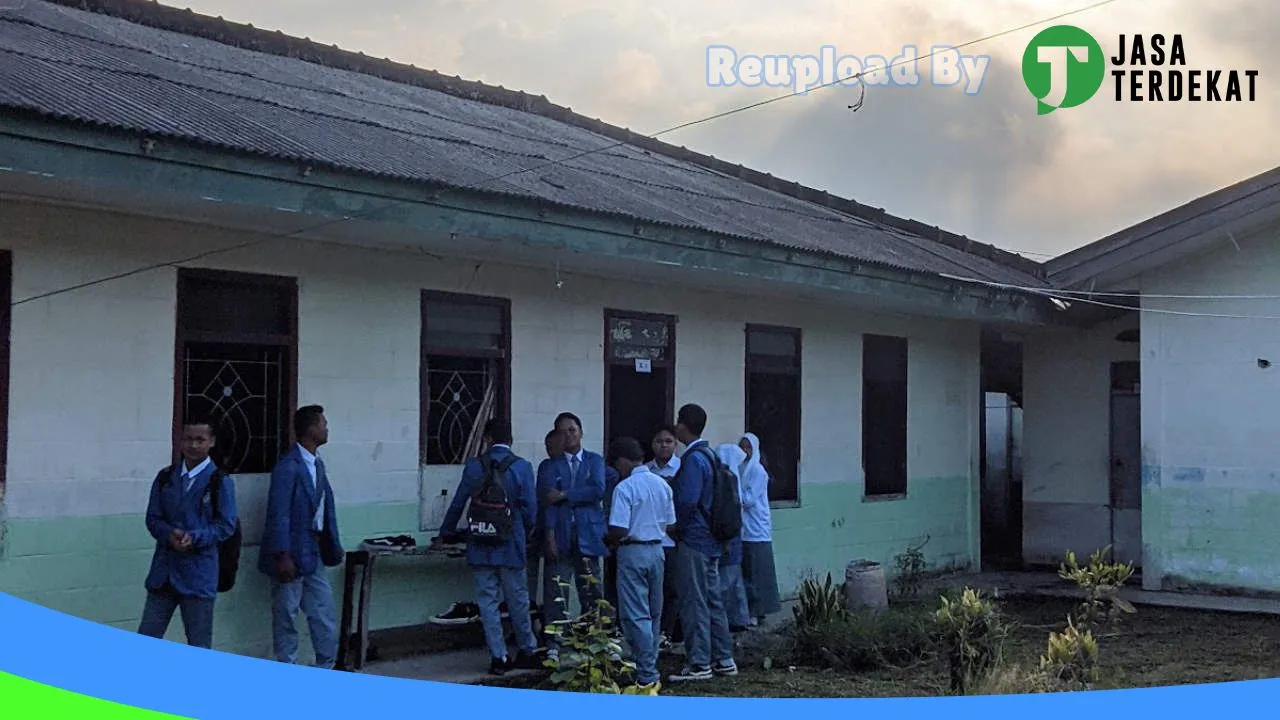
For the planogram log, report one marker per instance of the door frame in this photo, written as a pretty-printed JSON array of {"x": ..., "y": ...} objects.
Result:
[
  {"x": 1115, "y": 493},
  {"x": 669, "y": 363}
]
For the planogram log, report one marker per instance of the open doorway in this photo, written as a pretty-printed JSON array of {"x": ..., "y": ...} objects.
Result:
[
  {"x": 1000, "y": 456},
  {"x": 1126, "y": 463},
  {"x": 639, "y": 375}
]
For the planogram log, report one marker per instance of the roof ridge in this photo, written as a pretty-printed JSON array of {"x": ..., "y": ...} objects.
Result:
[{"x": 245, "y": 36}]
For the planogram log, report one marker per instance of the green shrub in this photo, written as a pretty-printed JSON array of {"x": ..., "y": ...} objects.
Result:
[
  {"x": 590, "y": 658},
  {"x": 1101, "y": 580},
  {"x": 972, "y": 632},
  {"x": 819, "y": 604}
]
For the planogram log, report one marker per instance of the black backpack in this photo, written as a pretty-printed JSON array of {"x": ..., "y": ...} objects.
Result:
[
  {"x": 725, "y": 517},
  {"x": 489, "y": 518},
  {"x": 229, "y": 549}
]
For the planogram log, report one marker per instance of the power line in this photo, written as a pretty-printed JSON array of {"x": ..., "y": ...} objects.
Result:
[
  {"x": 1066, "y": 296},
  {"x": 1136, "y": 295},
  {"x": 437, "y": 194}
]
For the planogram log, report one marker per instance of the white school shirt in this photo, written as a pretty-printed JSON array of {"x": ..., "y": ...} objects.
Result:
[
  {"x": 643, "y": 504},
  {"x": 189, "y": 476},
  {"x": 310, "y": 461},
  {"x": 667, "y": 471}
]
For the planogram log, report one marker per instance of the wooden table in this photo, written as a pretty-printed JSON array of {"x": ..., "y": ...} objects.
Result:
[{"x": 361, "y": 561}]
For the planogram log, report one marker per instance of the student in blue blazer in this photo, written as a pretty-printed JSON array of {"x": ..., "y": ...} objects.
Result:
[
  {"x": 300, "y": 540},
  {"x": 572, "y": 494},
  {"x": 189, "y": 515},
  {"x": 498, "y": 563}
]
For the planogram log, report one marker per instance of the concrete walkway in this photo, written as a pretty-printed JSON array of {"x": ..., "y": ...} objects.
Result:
[{"x": 471, "y": 665}]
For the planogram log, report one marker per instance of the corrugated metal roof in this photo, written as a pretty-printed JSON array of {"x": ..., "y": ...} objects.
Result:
[{"x": 94, "y": 68}]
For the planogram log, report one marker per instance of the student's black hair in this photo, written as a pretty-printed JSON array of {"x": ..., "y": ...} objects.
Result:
[
  {"x": 305, "y": 418},
  {"x": 550, "y": 434},
  {"x": 694, "y": 418},
  {"x": 568, "y": 416},
  {"x": 626, "y": 448},
  {"x": 498, "y": 431},
  {"x": 199, "y": 419},
  {"x": 664, "y": 428}
]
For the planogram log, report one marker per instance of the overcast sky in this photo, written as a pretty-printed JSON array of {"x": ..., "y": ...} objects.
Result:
[{"x": 984, "y": 165}]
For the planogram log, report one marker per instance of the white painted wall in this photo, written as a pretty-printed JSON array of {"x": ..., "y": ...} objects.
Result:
[
  {"x": 1211, "y": 419},
  {"x": 1066, "y": 438},
  {"x": 92, "y": 376}
]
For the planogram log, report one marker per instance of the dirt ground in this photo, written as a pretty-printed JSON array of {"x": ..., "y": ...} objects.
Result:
[{"x": 1157, "y": 647}]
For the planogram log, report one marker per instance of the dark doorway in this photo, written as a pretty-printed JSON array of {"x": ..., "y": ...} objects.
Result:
[
  {"x": 1126, "y": 463},
  {"x": 639, "y": 378},
  {"x": 1000, "y": 457}
]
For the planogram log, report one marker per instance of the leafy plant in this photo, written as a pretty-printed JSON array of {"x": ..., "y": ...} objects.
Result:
[
  {"x": 1101, "y": 581},
  {"x": 819, "y": 604},
  {"x": 590, "y": 657},
  {"x": 910, "y": 565},
  {"x": 973, "y": 633},
  {"x": 1070, "y": 661}
]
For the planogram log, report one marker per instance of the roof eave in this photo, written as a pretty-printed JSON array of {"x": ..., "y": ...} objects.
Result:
[{"x": 94, "y": 155}]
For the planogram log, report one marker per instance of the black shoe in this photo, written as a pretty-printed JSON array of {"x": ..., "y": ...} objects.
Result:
[
  {"x": 499, "y": 666},
  {"x": 459, "y": 613},
  {"x": 528, "y": 661}
]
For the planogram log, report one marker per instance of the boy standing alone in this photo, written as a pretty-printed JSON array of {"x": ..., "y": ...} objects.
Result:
[{"x": 191, "y": 512}]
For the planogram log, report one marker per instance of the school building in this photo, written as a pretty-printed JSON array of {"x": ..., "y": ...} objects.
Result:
[{"x": 198, "y": 215}]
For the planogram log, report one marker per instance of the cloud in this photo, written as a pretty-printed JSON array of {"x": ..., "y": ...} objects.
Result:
[{"x": 983, "y": 165}]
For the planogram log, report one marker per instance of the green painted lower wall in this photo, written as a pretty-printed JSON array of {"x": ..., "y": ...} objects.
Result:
[
  {"x": 1210, "y": 538},
  {"x": 93, "y": 567},
  {"x": 834, "y": 526}
]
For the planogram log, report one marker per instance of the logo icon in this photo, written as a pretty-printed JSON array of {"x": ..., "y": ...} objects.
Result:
[{"x": 1063, "y": 66}]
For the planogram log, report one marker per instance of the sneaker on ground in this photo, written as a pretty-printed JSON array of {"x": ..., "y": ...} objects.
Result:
[
  {"x": 725, "y": 669},
  {"x": 459, "y": 613},
  {"x": 499, "y": 666},
  {"x": 692, "y": 673}
]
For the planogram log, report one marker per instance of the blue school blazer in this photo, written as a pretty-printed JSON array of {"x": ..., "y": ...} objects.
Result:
[
  {"x": 585, "y": 503},
  {"x": 519, "y": 485},
  {"x": 291, "y": 509},
  {"x": 194, "y": 572}
]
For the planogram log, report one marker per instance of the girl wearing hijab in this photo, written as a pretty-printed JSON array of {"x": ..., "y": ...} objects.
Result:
[
  {"x": 759, "y": 577},
  {"x": 735, "y": 592}
]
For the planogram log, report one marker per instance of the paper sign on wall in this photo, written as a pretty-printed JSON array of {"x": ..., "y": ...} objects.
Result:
[{"x": 643, "y": 365}]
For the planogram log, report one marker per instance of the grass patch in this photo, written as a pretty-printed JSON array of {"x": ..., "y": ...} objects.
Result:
[{"x": 1158, "y": 647}]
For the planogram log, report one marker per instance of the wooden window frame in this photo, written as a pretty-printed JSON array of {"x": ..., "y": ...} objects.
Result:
[
  {"x": 798, "y": 372},
  {"x": 503, "y": 355},
  {"x": 900, "y": 486},
  {"x": 289, "y": 341},
  {"x": 668, "y": 363},
  {"x": 6, "y": 335}
]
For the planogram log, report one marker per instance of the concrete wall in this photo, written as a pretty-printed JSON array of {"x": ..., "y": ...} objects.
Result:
[
  {"x": 1066, "y": 439},
  {"x": 92, "y": 398},
  {"x": 1211, "y": 495}
]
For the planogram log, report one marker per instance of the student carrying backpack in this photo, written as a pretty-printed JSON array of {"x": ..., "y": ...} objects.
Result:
[
  {"x": 229, "y": 549},
  {"x": 725, "y": 518},
  {"x": 489, "y": 517}
]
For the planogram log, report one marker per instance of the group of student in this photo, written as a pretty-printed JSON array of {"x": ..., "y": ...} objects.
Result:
[
  {"x": 669, "y": 565},
  {"x": 669, "y": 568},
  {"x": 192, "y": 516}
]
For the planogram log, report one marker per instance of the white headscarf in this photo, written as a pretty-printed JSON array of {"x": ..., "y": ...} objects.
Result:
[
  {"x": 732, "y": 456},
  {"x": 752, "y": 464}
]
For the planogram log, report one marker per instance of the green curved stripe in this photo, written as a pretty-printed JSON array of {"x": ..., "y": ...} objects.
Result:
[{"x": 21, "y": 699}]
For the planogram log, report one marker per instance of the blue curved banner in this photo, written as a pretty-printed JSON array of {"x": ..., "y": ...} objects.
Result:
[{"x": 47, "y": 658}]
